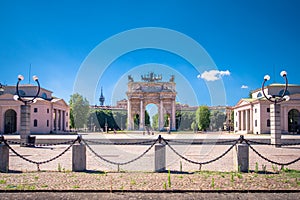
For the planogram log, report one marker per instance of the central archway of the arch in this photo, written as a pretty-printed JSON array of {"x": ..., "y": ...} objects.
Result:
[{"x": 151, "y": 91}]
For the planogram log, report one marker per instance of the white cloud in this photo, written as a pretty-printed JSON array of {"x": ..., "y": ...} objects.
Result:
[
  {"x": 213, "y": 75},
  {"x": 244, "y": 87}
]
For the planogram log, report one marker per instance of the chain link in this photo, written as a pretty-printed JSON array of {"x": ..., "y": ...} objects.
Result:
[
  {"x": 39, "y": 162},
  {"x": 264, "y": 143},
  {"x": 200, "y": 143},
  {"x": 120, "y": 143},
  {"x": 118, "y": 163},
  {"x": 271, "y": 161},
  {"x": 201, "y": 163},
  {"x": 41, "y": 145}
]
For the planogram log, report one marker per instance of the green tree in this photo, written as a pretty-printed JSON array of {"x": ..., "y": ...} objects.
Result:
[
  {"x": 136, "y": 121},
  {"x": 120, "y": 118},
  {"x": 194, "y": 126},
  {"x": 155, "y": 121},
  {"x": 202, "y": 117},
  {"x": 79, "y": 110},
  {"x": 187, "y": 118},
  {"x": 147, "y": 118},
  {"x": 217, "y": 119}
]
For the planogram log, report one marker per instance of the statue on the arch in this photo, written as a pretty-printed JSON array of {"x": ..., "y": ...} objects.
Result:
[
  {"x": 172, "y": 78},
  {"x": 130, "y": 79}
]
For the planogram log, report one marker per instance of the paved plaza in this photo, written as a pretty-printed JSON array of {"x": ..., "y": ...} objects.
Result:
[{"x": 123, "y": 153}]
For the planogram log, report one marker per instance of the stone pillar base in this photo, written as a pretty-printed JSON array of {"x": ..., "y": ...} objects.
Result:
[
  {"x": 4, "y": 158},
  {"x": 78, "y": 158},
  {"x": 241, "y": 158},
  {"x": 160, "y": 157}
]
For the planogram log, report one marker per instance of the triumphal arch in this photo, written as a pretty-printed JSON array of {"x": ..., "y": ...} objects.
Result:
[{"x": 151, "y": 90}]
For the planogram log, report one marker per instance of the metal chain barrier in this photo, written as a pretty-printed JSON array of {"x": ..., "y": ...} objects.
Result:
[
  {"x": 265, "y": 143},
  {"x": 41, "y": 145},
  {"x": 200, "y": 163},
  {"x": 201, "y": 143},
  {"x": 118, "y": 163},
  {"x": 120, "y": 143},
  {"x": 38, "y": 163},
  {"x": 271, "y": 161}
]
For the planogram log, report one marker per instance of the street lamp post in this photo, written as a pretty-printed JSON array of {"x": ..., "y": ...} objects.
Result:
[
  {"x": 25, "y": 110},
  {"x": 275, "y": 117},
  {"x": 106, "y": 125}
]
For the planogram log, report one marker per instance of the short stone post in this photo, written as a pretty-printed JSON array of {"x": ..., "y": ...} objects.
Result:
[
  {"x": 160, "y": 156},
  {"x": 78, "y": 157},
  {"x": 4, "y": 156},
  {"x": 241, "y": 157}
]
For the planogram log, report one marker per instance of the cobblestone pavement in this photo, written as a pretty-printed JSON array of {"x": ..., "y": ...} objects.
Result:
[{"x": 132, "y": 196}]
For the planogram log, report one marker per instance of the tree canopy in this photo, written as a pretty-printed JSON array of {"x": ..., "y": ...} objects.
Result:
[
  {"x": 217, "y": 119},
  {"x": 202, "y": 117},
  {"x": 79, "y": 110}
]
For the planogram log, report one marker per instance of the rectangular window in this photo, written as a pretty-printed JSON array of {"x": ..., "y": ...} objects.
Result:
[
  {"x": 255, "y": 123},
  {"x": 268, "y": 123},
  {"x": 47, "y": 123},
  {"x": 35, "y": 123},
  {"x": 268, "y": 110},
  {"x": 47, "y": 110},
  {"x": 255, "y": 110},
  {"x": 35, "y": 110}
]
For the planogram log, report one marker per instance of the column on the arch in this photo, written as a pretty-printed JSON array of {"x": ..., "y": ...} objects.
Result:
[
  {"x": 161, "y": 115},
  {"x": 129, "y": 115},
  {"x": 142, "y": 114},
  {"x": 173, "y": 123}
]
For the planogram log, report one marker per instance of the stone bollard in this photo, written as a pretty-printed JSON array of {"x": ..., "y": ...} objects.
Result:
[
  {"x": 160, "y": 157},
  {"x": 78, "y": 158},
  {"x": 241, "y": 158},
  {"x": 4, "y": 158}
]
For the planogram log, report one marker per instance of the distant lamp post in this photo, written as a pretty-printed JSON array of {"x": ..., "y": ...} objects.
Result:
[
  {"x": 275, "y": 109},
  {"x": 25, "y": 111},
  {"x": 106, "y": 125}
]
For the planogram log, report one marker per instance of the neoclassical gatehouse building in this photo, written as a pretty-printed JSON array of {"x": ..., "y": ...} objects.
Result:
[
  {"x": 252, "y": 115},
  {"x": 48, "y": 114}
]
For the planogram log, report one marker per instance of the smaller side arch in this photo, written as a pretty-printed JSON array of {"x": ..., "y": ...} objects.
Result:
[
  {"x": 294, "y": 121},
  {"x": 10, "y": 121}
]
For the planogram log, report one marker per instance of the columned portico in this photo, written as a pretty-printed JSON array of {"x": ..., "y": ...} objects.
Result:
[{"x": 244, "y": 121}]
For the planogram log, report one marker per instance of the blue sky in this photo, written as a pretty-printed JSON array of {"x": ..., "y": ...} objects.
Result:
[{"x": 245, "y": 40}]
